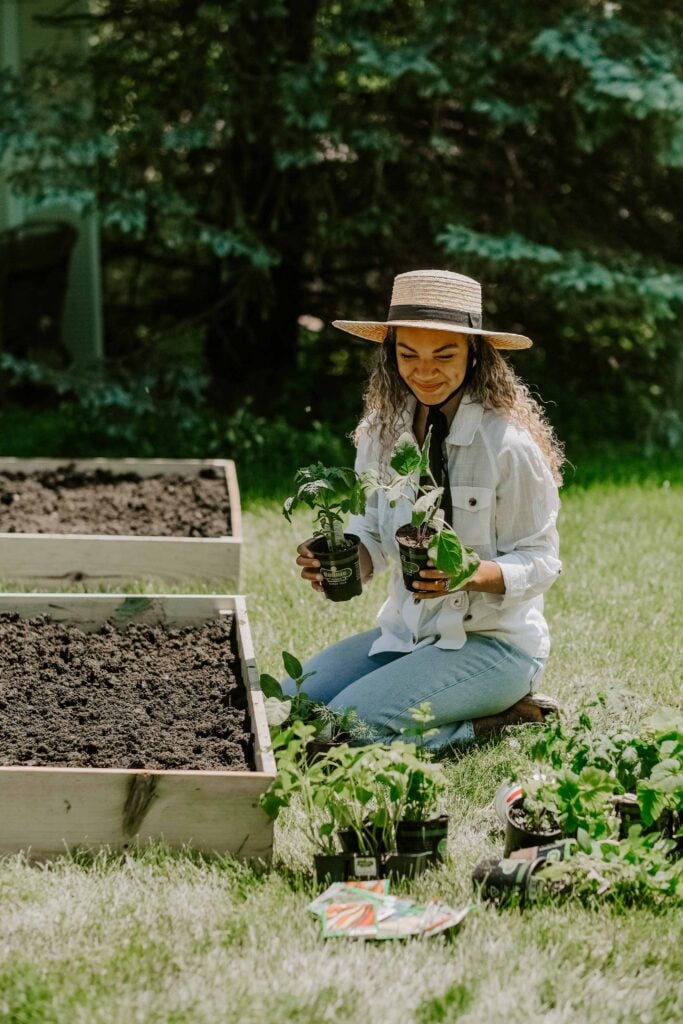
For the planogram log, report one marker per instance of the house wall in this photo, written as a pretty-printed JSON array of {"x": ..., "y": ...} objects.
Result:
[{"x": 20, "y": 38}]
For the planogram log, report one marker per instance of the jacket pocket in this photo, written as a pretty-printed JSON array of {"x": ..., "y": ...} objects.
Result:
[{"x": 472, "y": 513}]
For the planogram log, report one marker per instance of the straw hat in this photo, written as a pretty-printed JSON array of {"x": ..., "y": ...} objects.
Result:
[{"x": 433, "y": 298}]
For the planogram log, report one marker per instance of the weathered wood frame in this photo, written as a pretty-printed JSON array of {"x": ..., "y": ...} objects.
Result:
[
  {"x": 43, "y": 559},
  {"x": 47, "y": 811}
]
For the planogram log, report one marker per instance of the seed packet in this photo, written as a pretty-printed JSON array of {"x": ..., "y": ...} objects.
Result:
[
  {"x": 367, "y": 910},
  {"x": 350, "y": 892}
]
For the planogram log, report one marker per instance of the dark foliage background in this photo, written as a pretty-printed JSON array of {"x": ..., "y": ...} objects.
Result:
[{"x": 259, "y": 169}]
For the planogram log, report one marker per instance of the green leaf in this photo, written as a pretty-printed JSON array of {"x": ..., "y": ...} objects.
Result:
[
  {"x": 584, "y": 840},
  {"x": 293, "y": 666},
  {"x": 270, "y": 686},
  {"x": 651, "y": 802},
  {"x": 426, "y": 506},
  {"x": 277, "y": 711},
  {"x": 424, "y": 456},
  {"x": 449, "y": 555},
  {"x": 405, "y": 457}
]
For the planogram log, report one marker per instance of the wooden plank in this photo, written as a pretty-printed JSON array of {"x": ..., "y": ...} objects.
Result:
[
  {"x": 90, "y": 611},
  {"x": 43, "y": 559},
  {"x": 48, "y": 558},
  {"x": 263, "y": 753},
  {"x": 234, "y": 498},
  {"x": 143, "y": 467},
  {"x": 50, "y": 810},
  {"x": 53, "y": 809}
]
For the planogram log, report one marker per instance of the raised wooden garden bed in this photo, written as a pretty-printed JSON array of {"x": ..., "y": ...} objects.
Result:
[
  {"x": 47, "y": 809},
  {"x": 105, "y": 555}
]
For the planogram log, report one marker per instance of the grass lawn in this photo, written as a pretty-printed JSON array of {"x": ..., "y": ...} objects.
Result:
[{"x": 159, "y": 937}]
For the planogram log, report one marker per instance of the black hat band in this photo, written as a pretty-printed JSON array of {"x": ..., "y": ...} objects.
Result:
[{"x": 438, "y": 313}]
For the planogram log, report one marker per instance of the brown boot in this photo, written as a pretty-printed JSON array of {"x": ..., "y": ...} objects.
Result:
[{"x": 534, "y": 708}]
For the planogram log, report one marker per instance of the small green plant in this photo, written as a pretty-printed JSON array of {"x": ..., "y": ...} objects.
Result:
[
  {"x": 636, "y": 870},
  {"x": 296, "y": 777},
  {"x": 588, "y": 777},
  {"x": 279, "y": 707},
  {"x": 372, "y": 789},
  {"x": 367, "y": 790},
  {"x": 425, "y": 787},
  {"x": 420, "y": 729},
  {"x": 586, "y": 768},
  {"x": 573, "y": 801},
  {"x": 332, "y": 493},
  {"x": 414, "y": 480}
]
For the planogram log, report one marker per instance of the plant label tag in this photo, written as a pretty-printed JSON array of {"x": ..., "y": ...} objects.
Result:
[
  {"x": 336, "y": 575},
  {"x": 365, "y": 867},
  {"x": 408, "y": 566}
]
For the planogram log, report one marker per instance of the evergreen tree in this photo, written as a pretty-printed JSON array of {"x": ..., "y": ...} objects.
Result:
[{"x": 255, "y": 162}]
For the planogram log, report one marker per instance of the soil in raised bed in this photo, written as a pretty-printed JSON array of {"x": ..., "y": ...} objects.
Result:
[
  {"x": 136, "y": 696},
  {"x": 69, "y": 500}
]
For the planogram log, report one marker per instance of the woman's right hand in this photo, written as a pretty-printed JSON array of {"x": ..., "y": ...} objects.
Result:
[{"x": 310, "y": 566}]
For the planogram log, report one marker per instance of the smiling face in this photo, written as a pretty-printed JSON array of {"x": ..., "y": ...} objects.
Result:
[{"x": 432, "y": 363}]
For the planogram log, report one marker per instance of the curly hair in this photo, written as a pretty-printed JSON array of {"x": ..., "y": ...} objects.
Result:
[{"x": 491, "y": 381}]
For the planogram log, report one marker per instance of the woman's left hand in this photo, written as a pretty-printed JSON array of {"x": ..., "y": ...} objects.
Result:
[{"x": 432, "y": 583}]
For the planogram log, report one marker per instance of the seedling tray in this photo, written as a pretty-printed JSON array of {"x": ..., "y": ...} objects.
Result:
[
  {"x": 48, "y": 810},
  {"x": 46, "y": 559}
]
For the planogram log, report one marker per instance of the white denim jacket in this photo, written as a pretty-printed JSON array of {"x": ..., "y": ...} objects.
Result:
[{"x": 505, "y": 506}]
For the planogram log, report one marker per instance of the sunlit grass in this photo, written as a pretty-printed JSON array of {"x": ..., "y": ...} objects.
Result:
[{"x": 168, "y": 937}]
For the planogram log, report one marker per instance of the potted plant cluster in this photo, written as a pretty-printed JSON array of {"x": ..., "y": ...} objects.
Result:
[
  {"x": 426, "y": 536},
  {"x": 370, "y": 811},
  {"x": 604, "y": 782},
  {"x": 615, "y": 795},
  {"x": 332, "y": 493}
]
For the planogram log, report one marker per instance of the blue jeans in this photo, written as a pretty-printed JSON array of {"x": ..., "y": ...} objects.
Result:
[{"x": 484, "y": 677}]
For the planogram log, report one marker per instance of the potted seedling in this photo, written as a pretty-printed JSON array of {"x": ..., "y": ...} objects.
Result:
[
  {"x": 397, "y": 816},
  {"x": 282, "y": 709},
  {"x": 528, "y": 822},
  {"x": 426, "y": 536},
  {"x": 331, "y": 727},
  {"x": 332, "y": 493},
  {"x": 333, "y": 790},
  {"x": 422, "y": 827},
  {"x": 298, "y": 777}
]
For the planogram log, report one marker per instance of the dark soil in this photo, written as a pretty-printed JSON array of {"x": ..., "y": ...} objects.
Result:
[
  {"x": 408, "y": 536},
  {"x": 519, "y": 817},
  {"x": 136, "y": 697},
  {"x": 67, "y": 500}
]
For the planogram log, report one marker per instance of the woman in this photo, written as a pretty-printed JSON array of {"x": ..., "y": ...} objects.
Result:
[{"x": 476, "y": 654}]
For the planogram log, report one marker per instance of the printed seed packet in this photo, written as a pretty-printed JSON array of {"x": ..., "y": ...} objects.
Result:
[
  {"x": 350, "y": 892},
  {"x": 367, "y": 910}
]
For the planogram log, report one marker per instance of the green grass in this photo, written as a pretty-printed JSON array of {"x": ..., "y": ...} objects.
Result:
[{"x": 166, "y": 937}]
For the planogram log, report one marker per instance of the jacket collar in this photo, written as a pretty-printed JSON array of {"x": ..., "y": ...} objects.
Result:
[{"x": 465, "y": 422}]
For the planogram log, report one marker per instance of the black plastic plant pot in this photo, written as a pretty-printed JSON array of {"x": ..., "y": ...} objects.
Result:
[
  {"x": 552, "y": 854},
  {"x": 332, "y": 867},
  {"x": 340, "y": 570},
  {"x": 628, "y": 810},
  {"x": 420, "y": 836},
  {"x": 518, "y": 836},
  {"x": 348, "y": 838},
  {"x": 506, "y": 881},
  {"x": 407, "y": 865},
  {"x": 627, "y": 807},
  {"x": 317, "y": 749},
  {"x": 413, "y": 552}
]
